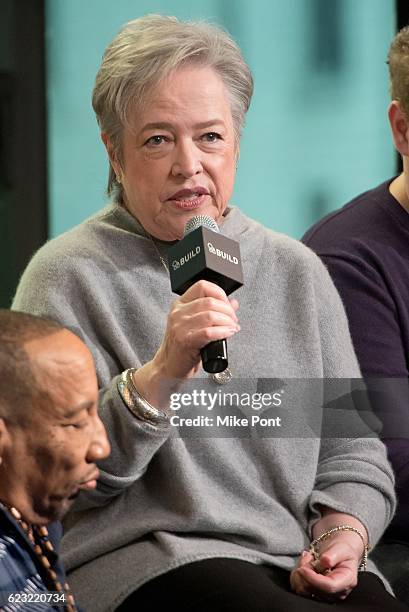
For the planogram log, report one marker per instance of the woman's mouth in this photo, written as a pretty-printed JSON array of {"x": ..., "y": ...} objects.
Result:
[
  {"x": 189, "y": 203},
  {"x": 189, "y": 199}
]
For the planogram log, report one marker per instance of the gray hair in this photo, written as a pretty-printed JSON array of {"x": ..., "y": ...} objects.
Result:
[{"x": 147, "y": 50}]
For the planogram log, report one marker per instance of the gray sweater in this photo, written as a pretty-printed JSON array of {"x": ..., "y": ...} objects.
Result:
[{"x": 165, "y": 500}]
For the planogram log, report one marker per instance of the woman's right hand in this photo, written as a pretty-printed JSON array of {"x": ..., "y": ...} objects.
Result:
[{"x": 202, "y": 314}]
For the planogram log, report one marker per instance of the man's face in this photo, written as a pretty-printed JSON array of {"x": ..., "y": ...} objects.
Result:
[{"x": 51, "y": 456}]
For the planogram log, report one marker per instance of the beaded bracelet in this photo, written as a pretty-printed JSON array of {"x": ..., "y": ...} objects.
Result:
[{"x": 330, "y": 532}]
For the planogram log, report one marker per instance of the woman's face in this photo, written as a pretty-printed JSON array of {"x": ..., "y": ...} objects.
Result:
[{"x": 179, "y": 158}]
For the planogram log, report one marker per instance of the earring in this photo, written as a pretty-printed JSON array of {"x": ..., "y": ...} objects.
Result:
[{"x": 118, "y": 179}]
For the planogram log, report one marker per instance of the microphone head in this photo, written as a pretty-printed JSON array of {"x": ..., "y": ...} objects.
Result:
[{"x": 199, "y": 221}]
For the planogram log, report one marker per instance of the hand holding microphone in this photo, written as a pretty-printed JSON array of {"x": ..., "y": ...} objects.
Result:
[
  {"x": 205, "y": 266},
  {"x": 204, "y": 254}
]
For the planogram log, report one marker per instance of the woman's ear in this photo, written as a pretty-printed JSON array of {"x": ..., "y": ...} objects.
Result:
[
  {"x": 237, "y": 155},
  {"x": 400, "y": 127},
  {"x": 111, "y": 154}
]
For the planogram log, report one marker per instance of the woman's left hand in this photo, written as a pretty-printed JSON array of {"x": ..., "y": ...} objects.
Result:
[{"x": 333, "y": 576}]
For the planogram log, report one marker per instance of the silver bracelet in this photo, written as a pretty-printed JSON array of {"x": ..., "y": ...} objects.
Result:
[
  {"x": 330, "y": 532},
  {"x": 137, "y": 404}
]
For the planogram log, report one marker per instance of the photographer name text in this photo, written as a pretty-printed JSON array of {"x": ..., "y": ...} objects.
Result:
[{"x": 224, "y": 421}]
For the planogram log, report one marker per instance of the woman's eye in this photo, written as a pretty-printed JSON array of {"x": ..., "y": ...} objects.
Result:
[
  {"x": 211, "y": 136},
  {"x": 156, "y": 140}
]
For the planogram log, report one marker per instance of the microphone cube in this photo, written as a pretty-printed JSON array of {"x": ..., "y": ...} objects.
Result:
[{"x": 205, "y": 255}]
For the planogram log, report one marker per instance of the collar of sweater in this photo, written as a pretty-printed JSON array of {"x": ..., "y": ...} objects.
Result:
[{"x": 234, "y": 223}]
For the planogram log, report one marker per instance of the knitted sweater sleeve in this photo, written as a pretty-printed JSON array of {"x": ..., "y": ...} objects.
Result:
[
  {"x": 378, "y": 337},
  {"x": 353, "y": 473},
  {"x": 69, "y": 288}
]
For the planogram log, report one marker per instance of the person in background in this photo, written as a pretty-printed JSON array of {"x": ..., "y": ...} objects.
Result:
[
  {"x": 209, "y": 522},
  {"x": 365, "y": 246},
  {"x": 50, "y": 438}
]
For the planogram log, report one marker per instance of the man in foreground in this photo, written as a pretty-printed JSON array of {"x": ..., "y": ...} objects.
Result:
[
  {"x": 50, "y": 438},
  {"x": 365, "y": 246}
]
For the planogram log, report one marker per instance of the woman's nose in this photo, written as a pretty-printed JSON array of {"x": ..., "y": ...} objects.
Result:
[{"x": 187, "y": 160}]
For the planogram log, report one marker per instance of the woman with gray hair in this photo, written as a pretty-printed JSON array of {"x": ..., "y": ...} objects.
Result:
[{"x": 217, "y": 520}]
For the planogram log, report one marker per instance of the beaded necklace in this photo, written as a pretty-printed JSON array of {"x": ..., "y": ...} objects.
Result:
[{"x": 42, "y": 545}]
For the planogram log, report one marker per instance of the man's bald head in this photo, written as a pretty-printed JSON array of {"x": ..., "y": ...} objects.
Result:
[{"x": 18, "y": 381}]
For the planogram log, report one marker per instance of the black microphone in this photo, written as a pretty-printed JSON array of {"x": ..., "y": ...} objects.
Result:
[{"x": 205, "y": 254}]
